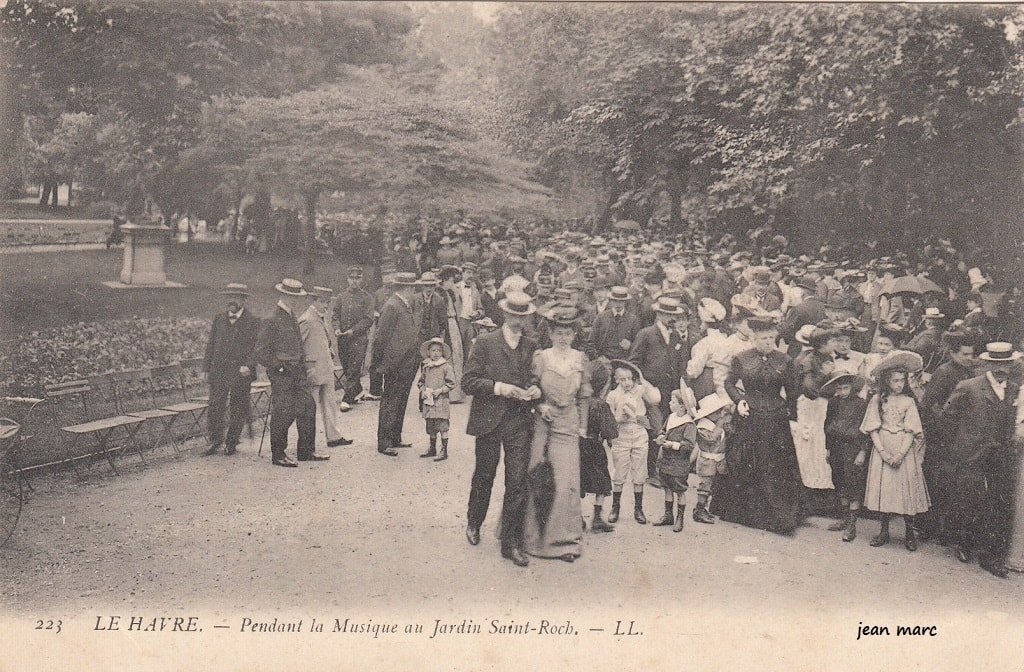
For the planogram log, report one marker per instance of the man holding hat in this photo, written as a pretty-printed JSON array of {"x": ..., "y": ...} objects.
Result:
[
  {"x": 319, "y": 359},
  {"x": 980, "y": 458},
  {"x": 808, "y": 308},
  {"x": 230, "y": 367},
  {"x": 396, "y": 350},
  {"x": 500, "y": 378},
  {"x": 279, "y": 350},
  {"x": 353, "y": 316}
]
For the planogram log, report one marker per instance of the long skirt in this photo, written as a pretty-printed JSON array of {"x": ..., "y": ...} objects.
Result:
[
  {"x": 455, "y": 340},
  {"x": 900, "y": 489},
  {"x": 563, "y": 531},
  {"x": 594, "y": 475},
  {"x": 761, "y": 487},
  {"x": 809, "y": 441}
]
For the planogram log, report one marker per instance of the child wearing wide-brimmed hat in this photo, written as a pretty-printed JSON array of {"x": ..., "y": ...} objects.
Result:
[
  {"x": 630, "y": 402},
  {"x": 712, "y": 420},
  {"x": 436, "y": 381},
  {"x": 677, "y": 442},
  {"x": 847, "y": 447}
]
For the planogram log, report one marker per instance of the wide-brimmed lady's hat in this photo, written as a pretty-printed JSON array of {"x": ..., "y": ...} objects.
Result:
[
  {"x": 626, "y": 364},
  {"x": 668, "y": 306},
  {"x": 892, "y": 331},
  {"x": 710, "y": 311},
  {"x": 999, "y": 351},
  {"x": 911, "y": 362},
  {"x": 235, "y": 289},
  {"x": 428, "y": 279},
  {"x": 562, "y": 316},
  {"x": 425, "y": 348},
  {"x": 517, "y": 303},
  {"x": 291, "y": 287},
  {"x": 842, "y": 378},
  {"x": 709, "y": 404}
]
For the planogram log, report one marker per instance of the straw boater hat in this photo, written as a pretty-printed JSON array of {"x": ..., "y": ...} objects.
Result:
[
  {"x": 910, "y": 362},
  {"x": 668, "y": 306},
  {"x": 445, "y": 348},
  {"x": 486, "y": 323},
  {"x": 404, "y": 279},
  {"x": 356, "y": 271},
  {"x": 851, "y": 326},
  {"x": 291, "y": 287},
  {"x": 626, "y": 364},
  {"x": 932, "y": 313},
  {"x": 517, "y": 303},
  {"x": 428, "y": 279},
  {"x": 841, "y": 378},
  {"x": 999, "y": 351},
  {"x": 619, "y": 293},
  {"x": 447, "y": 241},
  {"x": 235, "y": 289},
  {"x": 709, "y": 404}
]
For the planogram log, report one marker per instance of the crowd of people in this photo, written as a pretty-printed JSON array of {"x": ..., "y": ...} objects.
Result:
[{"x": 788, "y": 385}]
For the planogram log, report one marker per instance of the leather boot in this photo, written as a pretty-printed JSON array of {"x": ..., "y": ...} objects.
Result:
[
  {"x": 851, "y": 527},
  {"x": 666, "y": 518},
  {"x": 680, "y": 518},
  {"x": 638, "y": 508},
  {"x": 613, "y": 516},
  {"x": 910, "y": 542},
  {"x": 597, "y": 524},
  {"x": 883, "y": 536},
  {"x": 432, "y": 451},
  {"x": 701, "y": 515},
  {"x": 443, "y": 455}
]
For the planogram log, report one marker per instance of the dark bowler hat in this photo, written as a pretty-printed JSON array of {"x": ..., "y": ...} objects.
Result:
[
  {"x": 807, "y": 283},
  {"x": 760, "y": 324},
  {"x": 517, "y": 303},
  {"x": 235, "y": 289},
  {"x": 355, "y": 271}
]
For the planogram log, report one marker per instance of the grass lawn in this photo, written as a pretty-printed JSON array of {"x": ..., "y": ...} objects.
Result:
[{"x": 52, "y": 289}]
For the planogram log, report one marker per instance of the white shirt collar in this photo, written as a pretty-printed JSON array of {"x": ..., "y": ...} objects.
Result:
[
  {"x": 997, "y": 387},
  {"x": 512, "y": 340},
  {"x": 236, "y": 316},
  {"x": 665, "y": 333},
  {"x": 284, "y": 306}
]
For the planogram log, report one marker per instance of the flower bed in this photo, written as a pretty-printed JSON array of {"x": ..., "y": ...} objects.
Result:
[{"x": 39, "y": 358}]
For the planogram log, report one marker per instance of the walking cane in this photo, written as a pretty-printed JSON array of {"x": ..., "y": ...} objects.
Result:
[{"x": 266, "y": 421}]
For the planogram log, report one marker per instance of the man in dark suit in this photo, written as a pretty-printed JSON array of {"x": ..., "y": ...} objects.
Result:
[
  {"x": 279, "y": 349},
  {"x": 230, "y": 366},
  {"x": 396, "y": 354},
  {"x": 430, "y": 304},
  {"x": 926, "y": 342},
  {"x": 353, "y": 315},
  {"x": 615, "y": 328},
  {"x": 979, "y": 456},
  {"x": 498, "y": 375},
  {"x": 489, "y": 297},
  {"x": 809, "y": 309}
]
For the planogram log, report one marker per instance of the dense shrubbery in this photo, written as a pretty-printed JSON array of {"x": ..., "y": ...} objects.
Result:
[{"x": 39, "y": 358}]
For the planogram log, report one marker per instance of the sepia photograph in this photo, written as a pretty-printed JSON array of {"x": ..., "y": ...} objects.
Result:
[{"x": 511, "y": 335}]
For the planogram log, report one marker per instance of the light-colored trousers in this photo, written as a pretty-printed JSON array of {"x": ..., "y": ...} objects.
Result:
[
  {"x": 629, "y": 455},
  {"x": 327, "y": 410}
]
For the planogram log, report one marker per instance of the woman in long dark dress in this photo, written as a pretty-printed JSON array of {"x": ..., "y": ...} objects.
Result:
[{"x": 762, "y": 486}]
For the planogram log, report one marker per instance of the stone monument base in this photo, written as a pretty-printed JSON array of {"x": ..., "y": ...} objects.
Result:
[{"x": 115, "y": 284}]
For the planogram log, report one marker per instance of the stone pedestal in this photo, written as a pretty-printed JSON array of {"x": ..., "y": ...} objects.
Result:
[{"x": 144, "y": 255}]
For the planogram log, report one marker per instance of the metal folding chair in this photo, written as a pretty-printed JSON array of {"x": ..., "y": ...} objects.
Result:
[
  {"x": 193, "y": 391},
  {"x": 71, "y": 404},
  {"x": 136, "y": 398}
]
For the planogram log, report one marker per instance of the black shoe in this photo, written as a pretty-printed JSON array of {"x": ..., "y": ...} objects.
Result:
[
  {"x": 284, "y": 462},
  {"x": 568, "y": 557},
  {"x": 212, "y": 450},
  {"x": 666, "y": 519},
  {"x": 880, "y": 540},
  {"x": 701, "y": 515},
  {"x": 230, "y": 450},
  {"x": 430, "y": 453},
  {"x": 390, "y": 452},
  {"x": 995, "y": 568},
  {"x": 598, "y": 525},
  {"x": 403, "y": 445},
  {"x": 638, "y": 516},
  {"x": 613, "y": 516},
  {"x": 442, "y": 456},
  {"x": 314, "y": 458},
  {"x": 680, "y": 518},
  {"x": 339, "y": 442},
  {"x": 962, "y": 554},
  {"x": 472, "y": 535},
  {"x": 517, "y": 557}
]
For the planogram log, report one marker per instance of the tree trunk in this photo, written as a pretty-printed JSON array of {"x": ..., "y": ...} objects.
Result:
[
  {"x": 312, "y": 196},
  {"x": 239, "y": 195}
]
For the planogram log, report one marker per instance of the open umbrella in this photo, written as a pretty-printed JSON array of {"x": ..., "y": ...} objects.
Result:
[
  {"x": 913, "y": 284},
  {"x": 627, "y": 225},
  {"x": 541, "y": 482}
]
